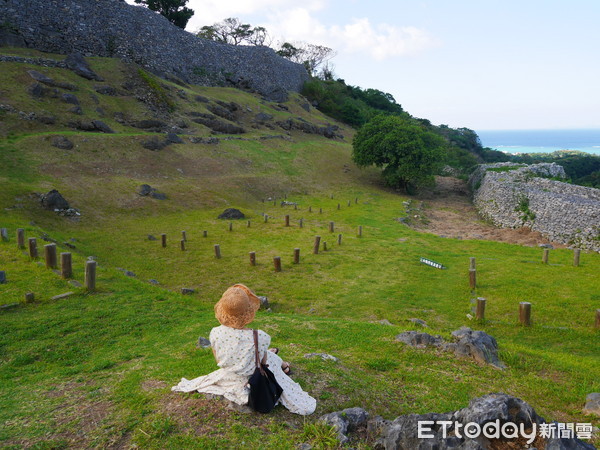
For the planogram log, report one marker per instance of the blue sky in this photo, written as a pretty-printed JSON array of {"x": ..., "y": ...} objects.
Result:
[{"x": 485, "y": 64}]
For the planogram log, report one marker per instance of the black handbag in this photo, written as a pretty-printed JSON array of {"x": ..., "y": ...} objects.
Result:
[{"x": 264, "y": 389}]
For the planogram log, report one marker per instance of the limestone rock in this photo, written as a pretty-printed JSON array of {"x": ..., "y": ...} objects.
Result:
[
  {"x": 592, "y": 404},
  {"x": 323, "y": 356},
  {"x": 53, "y": 200},
  {"x": 232, "y": 213},
  {"x": 77, "y": 63},
  {"x": 203, "y": 343}
]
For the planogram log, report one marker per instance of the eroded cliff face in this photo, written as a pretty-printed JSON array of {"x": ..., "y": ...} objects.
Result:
[
  {"x": 136, "y": 34},
  {"x": 514, "y": 195}
]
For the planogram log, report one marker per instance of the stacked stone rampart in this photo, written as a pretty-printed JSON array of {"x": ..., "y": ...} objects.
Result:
[
  {"x": 133, "y": 33},
  {"x": 513, "y": 195}
]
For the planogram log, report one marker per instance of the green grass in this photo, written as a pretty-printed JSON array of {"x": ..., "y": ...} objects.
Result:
[{"x": 95, "y": 369}]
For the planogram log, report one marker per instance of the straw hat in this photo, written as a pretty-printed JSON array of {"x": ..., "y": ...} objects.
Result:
[{"x": 237, "y": 307}]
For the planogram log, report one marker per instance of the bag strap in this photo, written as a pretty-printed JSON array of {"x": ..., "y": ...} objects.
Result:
[{"x": 256, "y": 357}]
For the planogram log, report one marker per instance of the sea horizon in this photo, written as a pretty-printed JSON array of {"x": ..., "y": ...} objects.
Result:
[{"x": 541, "y": 141}]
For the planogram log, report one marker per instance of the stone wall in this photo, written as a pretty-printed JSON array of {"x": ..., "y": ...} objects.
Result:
[
  {"x": 519, "y": 195},
  {"x": 133, "y": 33}
]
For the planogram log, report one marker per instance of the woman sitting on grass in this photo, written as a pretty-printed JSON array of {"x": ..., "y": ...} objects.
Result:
[{"x": 233, "y": 347}]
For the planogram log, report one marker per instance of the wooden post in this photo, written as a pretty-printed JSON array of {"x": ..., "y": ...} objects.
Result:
[
  {"x": 205, "y": 233},
  {"x": 598, "y": 319},
  {"x": 576, "y": 254},
  {"x": 301, "y": 223},
  {"x": 320, "y": 210},
  {"x": 480, "y": 311},
  {"x": 217, "y": 251},
  {"x": 525, "y": 313},
  {"x": 296, "y": 256},
  {"x": 339, "y": 239},
  {"x": 252, "y": 258},
  {"x": 360, "y": 231},
  {"x": 473, "y": 278},
  {"x": 183, "y": 236},
  {"x": 277, "y": 263},
  {"x": 248, "y": 224},
  {"x": 163, "y": 238},
  {"x": 29, "y": 297},
  {"x": 545, "y": 256},
  {"x": 348, "y": 202},
  {"x": 90, "y": 275},
  {"x": 266, "y": 218},
  {"x": 316, "y": 245},
  {"x": 287, "y": 220},
  {"x": 356, "y": 200},
  {"x": 274, "y": 202},
  {"x": 33, "y": 252},
  {"x": 310, "y": 209},
  {"x": 50, "y": 256},
  {"x": 472, "y": 264},
  {"x": 183, "y": 245},
  {"x": 331, "y": 227},
  {"x": 4, "y": 234},
  {"x": 338, "y": 206},
  {"x": 230, "y": 226},
  {"x": 66, "y": 265},
  {"x": 295, "y": 207},
  {"x": 324, "y": 246},
  {"x": 21, "y": 238}
]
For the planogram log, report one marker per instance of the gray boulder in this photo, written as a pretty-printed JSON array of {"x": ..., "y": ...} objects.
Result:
[
  {"x": 346, "y": 421},
  {"x": 419, "y": 340},
  {"x": 477, "y": 345},
  {"x": 105, "y": 90},
  {"x": 77, "y": 63},
  {"x": 203, "y": 343},
  {"x": 232, "y": 213},
  {"x": 264, "y": 302},
  {"x": 592, "y": 404},
  {"x": 101, "y": 126},
  {"x": 62, "y": 142},
  {"x": 53, "y": 200},
  {"x": 70, "y": 98}
]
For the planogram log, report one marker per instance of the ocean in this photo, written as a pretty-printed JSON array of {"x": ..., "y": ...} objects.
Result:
[{"x": 541, "y": 141}]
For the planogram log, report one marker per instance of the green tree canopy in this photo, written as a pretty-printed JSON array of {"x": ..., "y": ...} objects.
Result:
[
  {"x": 408, "y": 154},
  {"x": 174, "y": 10}
]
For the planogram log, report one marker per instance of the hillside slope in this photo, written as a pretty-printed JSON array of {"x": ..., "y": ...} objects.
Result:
[{"x": 94, "y": 369}]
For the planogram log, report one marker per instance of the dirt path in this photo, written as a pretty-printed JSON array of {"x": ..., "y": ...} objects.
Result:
[{"x": 447, "y": 211}]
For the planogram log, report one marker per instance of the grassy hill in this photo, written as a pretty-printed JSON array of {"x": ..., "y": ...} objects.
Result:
[{"x": 95, "y": 369}]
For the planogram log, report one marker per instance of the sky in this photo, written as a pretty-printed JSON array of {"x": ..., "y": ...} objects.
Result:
[{"x": 480, "y": 64}]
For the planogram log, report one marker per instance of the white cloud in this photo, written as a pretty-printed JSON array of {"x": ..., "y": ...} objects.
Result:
[
  {"x": 383, "y": 41},
  {"x": 379, "y": 42}
]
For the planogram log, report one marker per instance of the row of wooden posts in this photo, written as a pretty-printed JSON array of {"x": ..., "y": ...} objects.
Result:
[
  {"x": 524, "y": 307},
  {"x": 66, "y": 261},
  {"x": 473, "y": 269}
]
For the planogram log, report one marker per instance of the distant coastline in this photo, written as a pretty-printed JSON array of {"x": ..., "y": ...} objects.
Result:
[{"x": 541, "y": 141}]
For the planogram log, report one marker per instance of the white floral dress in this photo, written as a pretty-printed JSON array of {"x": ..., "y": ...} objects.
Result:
[{"x": 234, "y": 350}]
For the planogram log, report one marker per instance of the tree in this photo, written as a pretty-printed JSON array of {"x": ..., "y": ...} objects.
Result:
[
  {"x": 408, "y": 154},
  {"x": 232, "y": 31},
  {"x": 311, "y": 55},
  {"x": 174, "y": 10}
]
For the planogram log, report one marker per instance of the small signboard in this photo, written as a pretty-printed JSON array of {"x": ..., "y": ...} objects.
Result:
[{"x": 432, "y": 263}]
